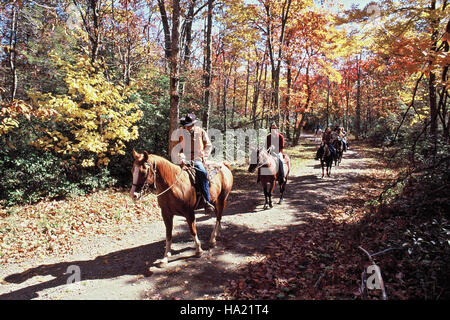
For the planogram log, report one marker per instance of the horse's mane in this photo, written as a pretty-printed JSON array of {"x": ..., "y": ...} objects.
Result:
[
  {"x": 166, "y": 169},
  {"x": 264, "y": 153}
]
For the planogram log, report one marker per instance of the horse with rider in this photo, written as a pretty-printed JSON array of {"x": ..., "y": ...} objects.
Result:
[
  {"x": 272, "y": 165},
  {"x": 333, "y": 145},
  {"x": 186, "y": 185}
]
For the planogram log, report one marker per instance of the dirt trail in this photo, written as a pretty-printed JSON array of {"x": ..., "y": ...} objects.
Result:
[{"x": 125, "y": 268}]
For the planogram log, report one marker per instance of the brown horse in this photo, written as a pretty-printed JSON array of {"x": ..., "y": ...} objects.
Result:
[
  {"x": 261, "y": 159},
  {"x": 176, "y": 195}
]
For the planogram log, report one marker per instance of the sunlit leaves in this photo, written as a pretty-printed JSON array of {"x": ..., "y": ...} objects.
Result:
[{"x": 95, "y": 116}]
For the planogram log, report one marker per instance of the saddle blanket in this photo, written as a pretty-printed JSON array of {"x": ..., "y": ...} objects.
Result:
[{"x": 212, "y": 168}]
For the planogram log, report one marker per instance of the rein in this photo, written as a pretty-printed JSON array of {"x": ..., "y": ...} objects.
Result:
[{"x": 146, "y": 184}]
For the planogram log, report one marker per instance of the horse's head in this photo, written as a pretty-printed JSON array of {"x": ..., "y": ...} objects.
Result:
[
  {"x": 143, "y": 174},
  {"x": 254, "y": 160}
]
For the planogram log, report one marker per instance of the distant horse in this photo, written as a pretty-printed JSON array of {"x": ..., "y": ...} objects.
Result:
[
  {"x": 176, "y": 195},
  {"x": 261, "y": 159},
  {"x": 338, "y": 144},
  {"x": 326, "y": 159}
]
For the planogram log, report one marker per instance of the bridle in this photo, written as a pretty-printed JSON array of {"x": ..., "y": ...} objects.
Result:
[
  {"x": 152, "y": 186},
  {"x": 147, "y": 185}
]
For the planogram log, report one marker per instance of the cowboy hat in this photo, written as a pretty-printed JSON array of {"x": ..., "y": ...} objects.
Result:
[{"x": 188, "y": 120}]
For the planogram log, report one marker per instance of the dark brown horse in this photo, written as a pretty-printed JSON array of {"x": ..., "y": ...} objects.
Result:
[
  {"x": 176, "y": 195},
  {"x": 339, "y": 147},
  {"x": 326, "y": 160},
  {"x": 268, "y": 176}
]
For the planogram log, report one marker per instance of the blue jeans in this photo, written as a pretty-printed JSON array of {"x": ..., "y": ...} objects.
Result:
[
  {"x": 333, "y": 150},
  {"x": 202, "y": 177},
  {"x": 322, "y": 149}
]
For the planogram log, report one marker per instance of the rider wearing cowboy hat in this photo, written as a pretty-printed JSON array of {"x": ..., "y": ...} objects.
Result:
[{"x": 196, "y": 147}]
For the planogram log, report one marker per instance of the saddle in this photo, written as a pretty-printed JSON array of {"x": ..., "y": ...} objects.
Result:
[{"x": 212, "y": 168}]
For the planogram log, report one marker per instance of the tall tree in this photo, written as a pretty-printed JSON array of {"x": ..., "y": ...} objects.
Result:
[
  {"x": 207, "y": 71},
  {"x": 172, "y": 49}
]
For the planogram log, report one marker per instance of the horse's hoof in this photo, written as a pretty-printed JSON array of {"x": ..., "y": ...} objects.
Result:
[
  {"x": 271, "y": 205},
  {"x": 199, "y": 253},
  {"x": 212, "y": 244}
]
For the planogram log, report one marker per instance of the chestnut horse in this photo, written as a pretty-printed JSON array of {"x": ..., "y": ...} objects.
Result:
[
  {"x": 261, "y": 159},
  {"x": 176, "y": 195}
]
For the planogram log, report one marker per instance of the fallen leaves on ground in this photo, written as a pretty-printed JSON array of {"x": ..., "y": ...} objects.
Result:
[
  {"x": 321, "y": 258},
  {"x": 54, "y": 227}
]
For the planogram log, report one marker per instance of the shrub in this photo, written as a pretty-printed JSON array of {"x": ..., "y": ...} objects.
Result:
[{"x": 29, "y": 175}]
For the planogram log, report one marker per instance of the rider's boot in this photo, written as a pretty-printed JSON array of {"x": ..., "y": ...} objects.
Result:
[{"x": 209, "y": 208}]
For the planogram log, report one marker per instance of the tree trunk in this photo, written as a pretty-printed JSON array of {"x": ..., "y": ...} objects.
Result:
[
  {"x": 264, "y": 96},
  {"x": 444, "y": 92},
  {"x": 328, "y": 103},
  {"x": 166, "y": 28},
  {"x": 347, "y": 98},
  {"x": 233, "y": 108},
  {"x": 256, "y": 85},
  {"x": 95, "y": 37},
  {"x": 207, "y": 72},
  {"x": 288, "y": 96},
  {"x": 12, "y": 50},
  {"x": 358, "y": 101},
  {"x": 226, "y": 81},
  {"x": 187, "y": 47},
  {"x": 246, "y": 88},
  {"x": 257, "y": 88},
  {"x": 276, "y": 61},
  {"x": 432, "y": 77},
  {"x": 173, "y": 56}
]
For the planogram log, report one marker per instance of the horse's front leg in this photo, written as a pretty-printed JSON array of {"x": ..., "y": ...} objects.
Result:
[
  {"x": 168, "y": 221},
  {"x": 193, "y": 229},
  {"x": 266, "y": 196},
  {"x": 272, "y": 186},
  {"x": 323, "y": 168},
  {"x": 282, "y": 189}
]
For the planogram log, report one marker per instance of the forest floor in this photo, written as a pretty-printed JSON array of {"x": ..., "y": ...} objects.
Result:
[{"x": 301, "y": 249}]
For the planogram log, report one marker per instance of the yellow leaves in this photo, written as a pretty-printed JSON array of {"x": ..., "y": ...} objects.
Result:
[
  {"x": 87, "y": 163},
  {"x": 92, "y": 117},
  {"x": 10, "y": 113}
]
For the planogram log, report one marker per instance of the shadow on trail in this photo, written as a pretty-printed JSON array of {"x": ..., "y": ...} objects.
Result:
[{"x": 131, "y": 261}]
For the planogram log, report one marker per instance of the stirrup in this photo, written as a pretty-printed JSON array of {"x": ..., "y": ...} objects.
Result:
[{"x": 209, "y": 208}]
